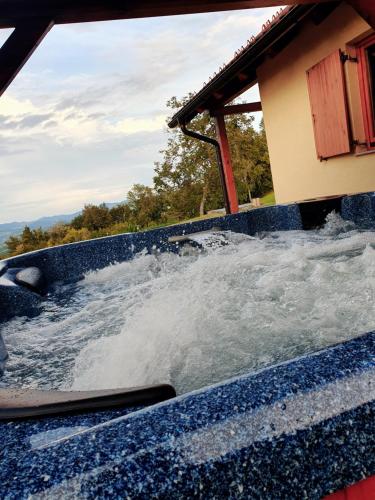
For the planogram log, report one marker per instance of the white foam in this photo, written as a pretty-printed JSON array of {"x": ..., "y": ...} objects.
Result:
[{"x": 194, "y": 320}]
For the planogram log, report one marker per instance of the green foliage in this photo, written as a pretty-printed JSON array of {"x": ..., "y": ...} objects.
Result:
[
  {"x": 145, "y": 205},
  {"x": 268, "y": 199},
  {"x": 72, "y": 235},
  {"x": 29, "y": 240},
  {"x": 188, "y": 179},
  {"x": 186, "y": 184},
  {"x": 251, "y": 163},
  {"x": 120, "y": 214},
  {"x": 93, "y": 218}
]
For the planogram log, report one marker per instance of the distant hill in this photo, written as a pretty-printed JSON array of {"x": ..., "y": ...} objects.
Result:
[{"x": 15, "y": 228}]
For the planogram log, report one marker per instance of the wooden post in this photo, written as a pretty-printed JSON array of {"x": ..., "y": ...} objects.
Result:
[{"x": 230, "y": 185}]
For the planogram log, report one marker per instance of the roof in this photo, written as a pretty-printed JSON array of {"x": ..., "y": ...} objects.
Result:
[
  {"x": 240, "y": 74},
  {"x": 13, "y": 12}
]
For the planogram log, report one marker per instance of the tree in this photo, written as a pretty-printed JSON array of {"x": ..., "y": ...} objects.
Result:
[
  {"x": 188, "y": 178},
  {"x": 12, "y": 244},
  {"x": 95, "y": 217},
  {"x": 57, "y": 233},
  {"x": 188, "y": 169},
  {"x": 28, "y": 241},
  {"x": 73, "y": 235},
  {"x": 77, "y": 222},
  {"x": 120, "y": 214},
  {"x": 145, "y": 204},
  {"x": 251, "y": 165}
]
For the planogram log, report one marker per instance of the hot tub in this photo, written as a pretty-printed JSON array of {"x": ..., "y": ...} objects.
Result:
[{"x": 295, "y": 428}]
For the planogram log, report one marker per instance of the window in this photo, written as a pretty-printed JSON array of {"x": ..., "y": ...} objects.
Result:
[{"x": 366, "y": 67}]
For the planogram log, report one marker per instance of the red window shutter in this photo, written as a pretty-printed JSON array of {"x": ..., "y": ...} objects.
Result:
[{"x": 328, "y": 101}]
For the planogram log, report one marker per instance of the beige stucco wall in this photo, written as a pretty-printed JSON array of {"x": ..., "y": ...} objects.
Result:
[{"x": 297, "y": 173}]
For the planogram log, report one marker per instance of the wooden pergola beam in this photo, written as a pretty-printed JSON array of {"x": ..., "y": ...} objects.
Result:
[
  {"x": 237, "y": 109},
  {"x": 33, "y": 19},
  {"x": 76, "y": 11},
  {"x": 19, "y": 47}
]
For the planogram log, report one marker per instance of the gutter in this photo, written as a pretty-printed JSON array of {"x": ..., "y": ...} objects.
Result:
[{"x": 213, "y": 142}]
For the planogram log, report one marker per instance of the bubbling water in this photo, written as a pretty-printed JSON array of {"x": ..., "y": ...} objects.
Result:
[{"x": 240, "y": 304}]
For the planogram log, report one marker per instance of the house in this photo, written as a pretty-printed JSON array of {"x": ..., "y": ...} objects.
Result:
[{"x": 315, "y": 67}]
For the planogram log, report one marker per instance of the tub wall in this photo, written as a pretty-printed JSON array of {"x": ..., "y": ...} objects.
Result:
[{"x": 69, "y": 262}]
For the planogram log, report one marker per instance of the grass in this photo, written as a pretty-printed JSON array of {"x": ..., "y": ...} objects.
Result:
[{"x": 268, "y": 199}]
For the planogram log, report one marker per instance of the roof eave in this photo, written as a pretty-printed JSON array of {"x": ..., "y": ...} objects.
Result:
[{"x": 249, "y": 57}]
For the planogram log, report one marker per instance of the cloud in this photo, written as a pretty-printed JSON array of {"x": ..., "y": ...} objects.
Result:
[
  {"x": 15, "y": 106},
  {"x": 85, "y": 118},
  {"x": 31, "y": 121},
  {"x": 11, "y": 146},
  {"x": 50, "y": 123},
  {"x": 135, "y": 125},
  {"x": 10, "y": 151}
]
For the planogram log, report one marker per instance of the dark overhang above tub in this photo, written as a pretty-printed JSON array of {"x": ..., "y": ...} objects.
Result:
[
  {"x": 240, "y": 73},
  {"x": 12, "y": 12}
]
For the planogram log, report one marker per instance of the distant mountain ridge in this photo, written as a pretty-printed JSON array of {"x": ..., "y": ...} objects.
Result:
[{"x": 15, "y": 228}]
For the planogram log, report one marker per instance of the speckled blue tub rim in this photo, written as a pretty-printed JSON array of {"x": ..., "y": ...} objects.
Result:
[
  {"x": 301, "y": 429},
  {"x": 206, "y": 444}
]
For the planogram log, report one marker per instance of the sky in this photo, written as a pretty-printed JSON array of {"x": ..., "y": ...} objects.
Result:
[{"x": 86, "y": 117}]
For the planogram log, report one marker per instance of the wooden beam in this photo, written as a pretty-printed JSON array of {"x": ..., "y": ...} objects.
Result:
[
  {"x": 237, "y": 109},
  {"x": 366, "y": 8},
  {"x": 19, "y": 47},
  {"x": 227, "y": 164},
  {"x": 76, "y": 11}
]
